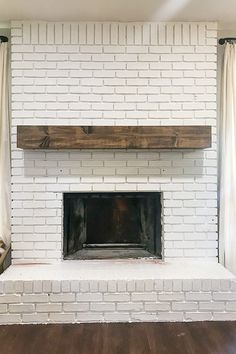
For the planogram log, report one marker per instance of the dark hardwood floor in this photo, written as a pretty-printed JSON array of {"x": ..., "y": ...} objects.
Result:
[{"x": 117, "y": 338}]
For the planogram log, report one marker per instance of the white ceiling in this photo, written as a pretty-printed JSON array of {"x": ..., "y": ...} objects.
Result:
[{"x": 223, "y": 11}]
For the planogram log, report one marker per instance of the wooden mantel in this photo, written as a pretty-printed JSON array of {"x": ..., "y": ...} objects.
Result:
[{"x": 113, "y": 137}]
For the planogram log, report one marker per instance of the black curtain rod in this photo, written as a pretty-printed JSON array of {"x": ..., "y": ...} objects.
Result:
[
  {"x": 3, "y": 39},
  {"x": 224, "y": 40}
]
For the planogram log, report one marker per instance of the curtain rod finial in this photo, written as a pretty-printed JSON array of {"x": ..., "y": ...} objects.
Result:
[
  {"x": 221, "y": 41},
  {"x": 3, "y": 39}
]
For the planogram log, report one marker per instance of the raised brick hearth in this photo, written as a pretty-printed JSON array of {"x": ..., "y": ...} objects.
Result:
[{"x": 117, "y": 291}]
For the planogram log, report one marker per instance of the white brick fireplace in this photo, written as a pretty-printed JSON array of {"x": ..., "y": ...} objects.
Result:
[{"x": 115, "y": 74}]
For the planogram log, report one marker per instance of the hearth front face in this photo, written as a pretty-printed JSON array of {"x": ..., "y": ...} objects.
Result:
[{"x": 111, "y": 225}]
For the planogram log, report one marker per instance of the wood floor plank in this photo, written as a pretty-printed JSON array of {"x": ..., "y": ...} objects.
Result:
[
  {"x": 139, "y": 343},
  {"x": 119, "y": 338}
]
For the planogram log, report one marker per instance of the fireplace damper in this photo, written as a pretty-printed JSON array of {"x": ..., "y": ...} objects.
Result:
[{"x": 112, "y": 225}]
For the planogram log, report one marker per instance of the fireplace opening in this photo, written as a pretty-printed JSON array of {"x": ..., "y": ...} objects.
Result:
[{"x": 111, "y": 225}]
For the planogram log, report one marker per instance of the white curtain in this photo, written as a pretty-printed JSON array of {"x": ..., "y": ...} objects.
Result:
[
  {"x": 228, "y": 158},
  {"x": 5, "y": 199}
]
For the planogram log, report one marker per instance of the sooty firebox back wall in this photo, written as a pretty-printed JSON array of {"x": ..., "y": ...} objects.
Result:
[{"x": 112, "y": 225}]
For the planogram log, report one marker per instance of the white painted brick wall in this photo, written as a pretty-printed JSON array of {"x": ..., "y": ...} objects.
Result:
[{"x": 114, "y": 74}]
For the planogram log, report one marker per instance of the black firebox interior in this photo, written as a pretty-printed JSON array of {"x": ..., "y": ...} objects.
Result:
[{"x": 112, "y": 225}]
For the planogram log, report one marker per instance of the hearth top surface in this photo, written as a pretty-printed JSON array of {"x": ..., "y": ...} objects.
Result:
[{"x": 117, "y": 270}]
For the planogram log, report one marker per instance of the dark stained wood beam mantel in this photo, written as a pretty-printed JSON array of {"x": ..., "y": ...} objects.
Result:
[{"x": 113, "y": 137}]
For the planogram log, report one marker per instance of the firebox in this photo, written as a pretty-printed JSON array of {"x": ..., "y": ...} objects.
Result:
[{"x": 112, "y": 225}]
